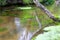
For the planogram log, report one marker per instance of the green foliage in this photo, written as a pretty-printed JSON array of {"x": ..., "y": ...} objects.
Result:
[
  {"x": 51, "y": 33},
  {"x": 48, "y": 2},
  {"x": 26, "y": 15},
  {"x": 29, "y": 1},
  {"x": 23, "y": 8},
  {"x": 44, "y": 2},
  {"x": 33, "y": 38},
  {"x": 2, "y": 2},
  {"x": 57, "y": 16}
]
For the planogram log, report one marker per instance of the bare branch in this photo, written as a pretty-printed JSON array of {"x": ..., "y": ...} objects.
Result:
[
  {"x": 37, "y": 19},
  {"x": 40, "y": 26}
]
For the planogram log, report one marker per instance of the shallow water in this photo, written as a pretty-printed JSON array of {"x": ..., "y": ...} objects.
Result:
[
  {"x": 21, "y": 31},
  {"x": 15, "y": 30}
]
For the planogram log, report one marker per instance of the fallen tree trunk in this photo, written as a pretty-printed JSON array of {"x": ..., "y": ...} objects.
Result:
[
  {"x": 43, "y": 8},
  {"x": 50, "y": 15}
]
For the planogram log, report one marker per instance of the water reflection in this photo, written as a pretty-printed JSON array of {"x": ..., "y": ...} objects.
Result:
[
  {"x": 15, "y": 29},
  {"x": 18, "y": 30},
  {"x": 18, "y": 24},
  {"x": 23, "y": 33}
]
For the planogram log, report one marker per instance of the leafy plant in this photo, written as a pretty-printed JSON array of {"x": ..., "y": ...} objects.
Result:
[{"x": 48, "y": 2}]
